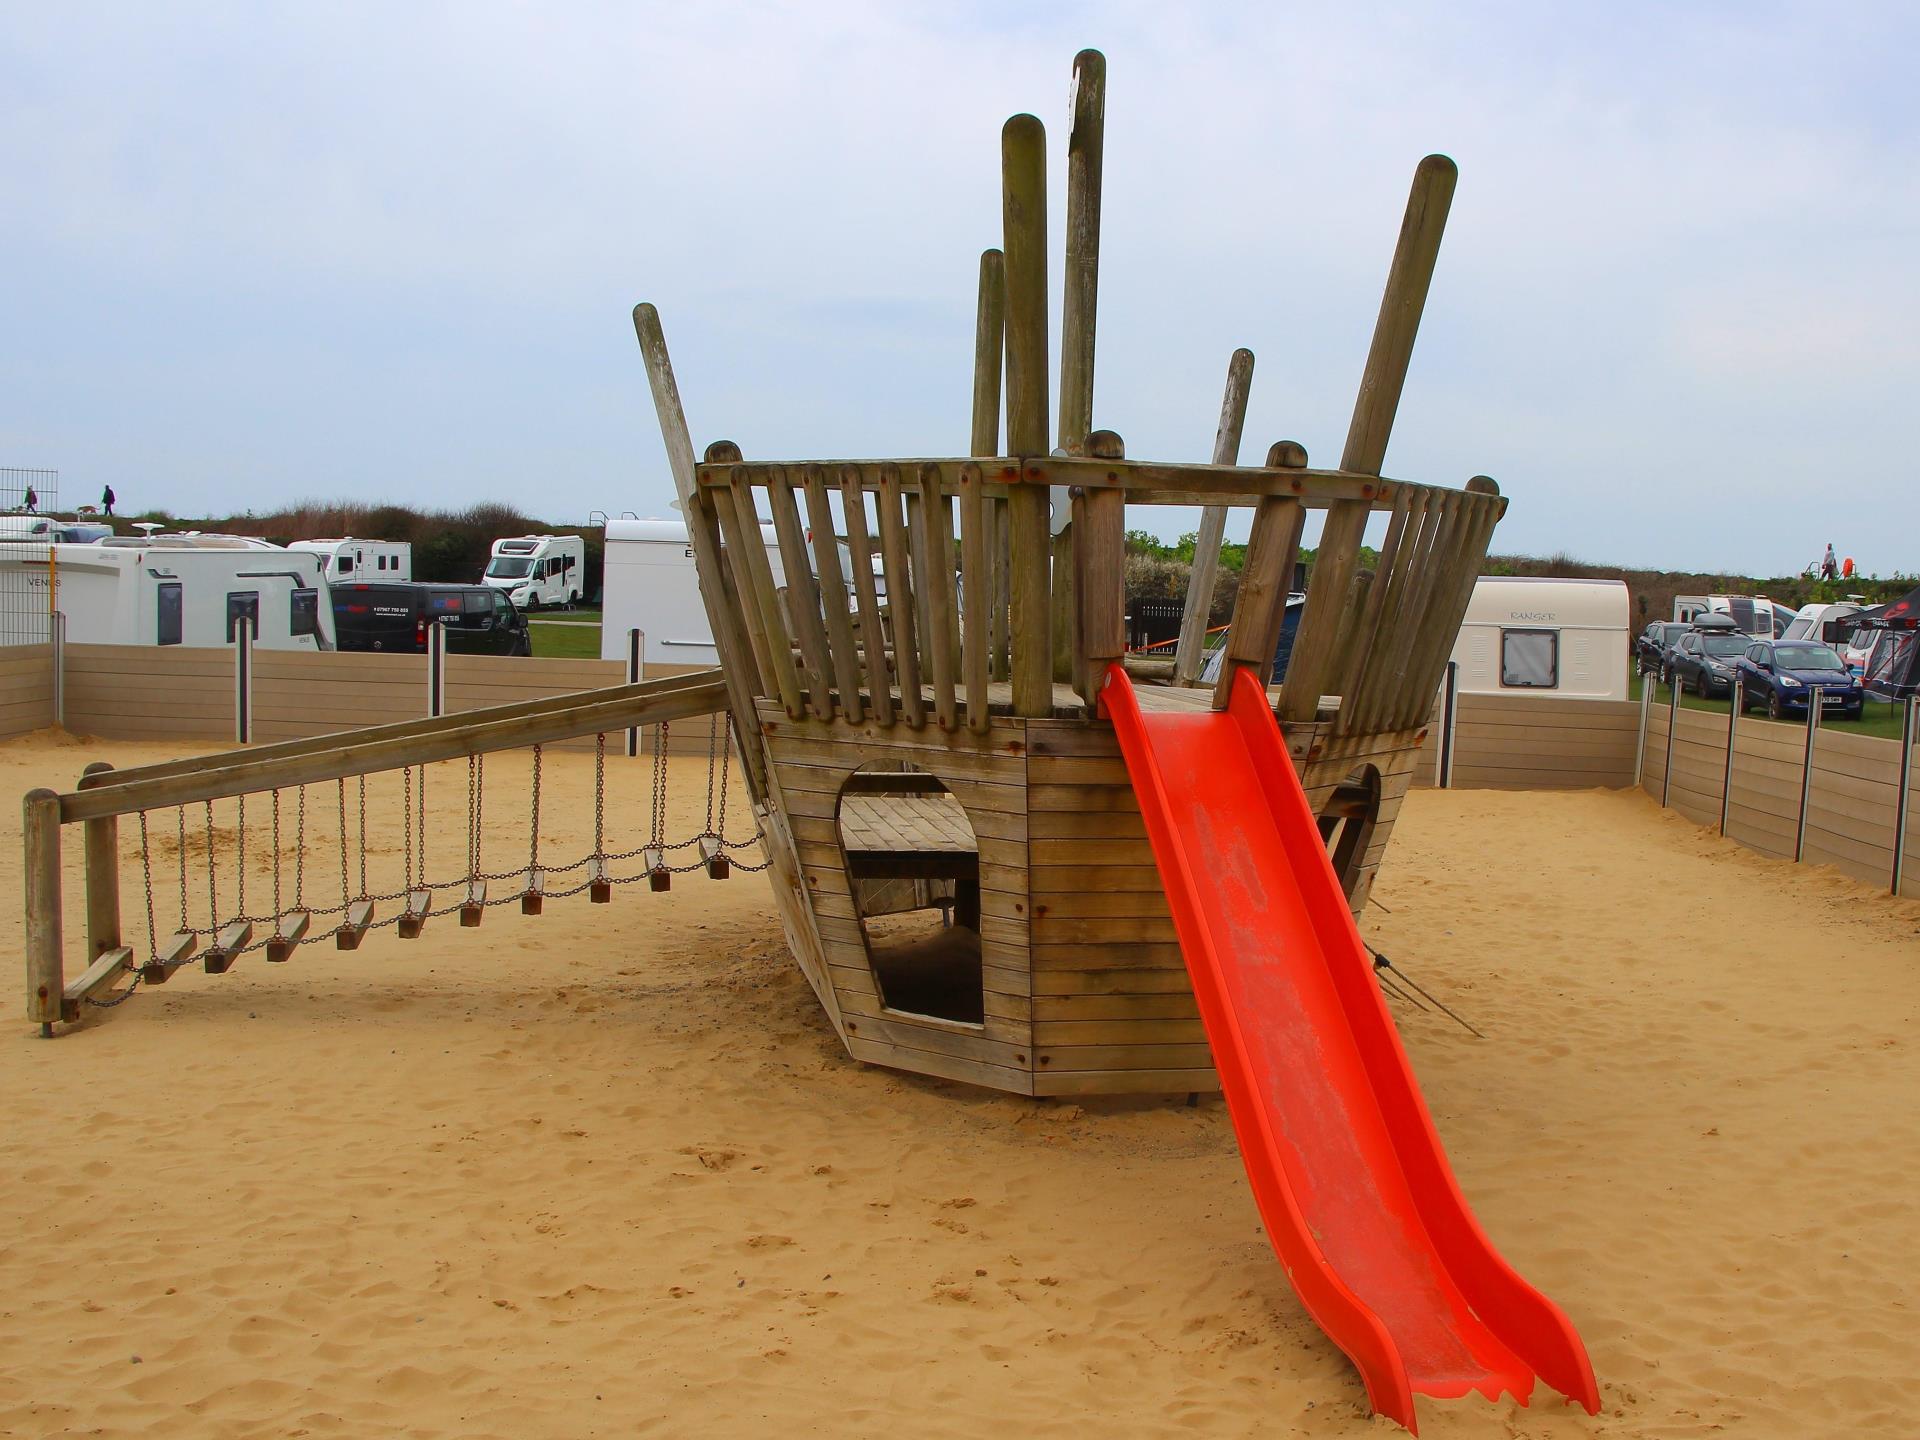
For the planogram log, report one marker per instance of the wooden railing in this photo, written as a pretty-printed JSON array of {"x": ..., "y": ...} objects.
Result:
[{"x": 106, "y": 794}]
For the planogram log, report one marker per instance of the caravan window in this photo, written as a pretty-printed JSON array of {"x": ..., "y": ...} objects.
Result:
[
  {"x": 343, "y": 563},
  {"x": 303, "y": 613},
  {"x": 167, "y": 613},
  {"x": 243, "y": 605},
  {"x": 1530, "y": 659}
]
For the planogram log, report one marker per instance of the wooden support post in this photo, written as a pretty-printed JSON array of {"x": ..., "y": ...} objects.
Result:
[
  {"x": 901, "y": 583},
  {"x": 873, "y": 631},
  {"x": 288, "y": 931},
  {"x": 936, "y": 548},
  {"x": 1816, "y": 699},
  {"x": 1260, "y": 606},
  {"x": 1666, "y": 774},
  {"x": 1191, "y": 649},
  {"x": 989, "y": 335},
  {"x": 1903, "y": 792},
  {"x": 1086, "y": 150},
  {"x": 243, "y": 634},
  {"x": 723, "y": 614},
  {"x": 976, "y": 579},
  {"x": 803, "y": 594},
  {"x": 1449, "y": 725},
  {"x": 1100, "y": 520},
  {"x": 1647, "y": 683},
  {"x": 101, "y": 843},
  {"x": 1023, "y": 161},
  {"x": 833, "y": 595},
  {"x": 436, "y": 668},
  {"x": 1736, "y": 698},
  {"x": 353, "y": 925},
  {"x": 40, "y": 827}
]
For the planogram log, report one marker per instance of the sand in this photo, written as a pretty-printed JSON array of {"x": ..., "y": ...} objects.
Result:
[{"x": 606, "y": 1171}]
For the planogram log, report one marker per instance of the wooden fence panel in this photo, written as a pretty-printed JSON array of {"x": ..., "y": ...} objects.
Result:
[
  {"x": 26, "y": 689},
  {"x": 1523, "y": 742}
]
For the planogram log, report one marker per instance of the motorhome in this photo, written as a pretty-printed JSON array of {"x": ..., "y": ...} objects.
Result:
[
  {"x": 190, "y": 591},
  {"x": 1751, "y": 614},
  {"x": 650, "y": 586},
  {"x": 352, "y": 562},
  {"x": 1540, "y": 635},
  {"x": 537, "y": 570}
]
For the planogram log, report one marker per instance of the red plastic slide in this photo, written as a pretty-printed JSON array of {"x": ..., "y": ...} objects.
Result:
[{"x": 1344, "y": 1160}]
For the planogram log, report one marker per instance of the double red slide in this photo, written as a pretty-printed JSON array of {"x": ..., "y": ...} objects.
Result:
[{"x": 1345, "y": 1164}]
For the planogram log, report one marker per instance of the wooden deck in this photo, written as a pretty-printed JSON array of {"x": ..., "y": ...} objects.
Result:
[{"x": 886, "y": 827}]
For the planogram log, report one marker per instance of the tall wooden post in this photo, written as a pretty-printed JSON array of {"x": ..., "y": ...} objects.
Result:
[
  {"x": 989, "y": 349},
  {"x": 46, "y": 984},
  {"x": 101, "y": 841},
  {"x": 1205, "y": 576},
  {"x": 1023, "y": 160},
  {"x": 1100, "y": 521}
]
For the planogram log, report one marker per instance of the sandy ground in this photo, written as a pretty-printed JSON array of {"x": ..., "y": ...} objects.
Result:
[{"x": 606, "y": 1172}]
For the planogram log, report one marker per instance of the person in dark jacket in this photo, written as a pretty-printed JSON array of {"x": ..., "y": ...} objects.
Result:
[
  {"x": 106, "y": 500},
  {"x": 32, "y": 500}
]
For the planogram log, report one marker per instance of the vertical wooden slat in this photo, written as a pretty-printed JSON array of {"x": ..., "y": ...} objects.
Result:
[
  {"x": 900, "y": 596},
  {"x": 1000, "y": 562},
  {"x": 1484, "y": 507},
  {"x": 1416, "y": 538},
  {"x": 734, "y": 549},
  {"x": 1086, "y": 150},
  {"x": 936, "y": 584},
  {"x": 1100, "y": 552},
  {"x": 1260, "y": 605},
  {"x": 724, "y": 614},
  {"x": 101, "y": 844},
  {"x": 873, "y": 632},
  {"x": 1405, "y": 297},
  {"x": 1434, "y": 625},
  {"x": 1314, "y": 656},
  {"x": 917, "y": 557},
  {"x": 1440, "y": 538},
  {"x": 1366, "y": 632},
  {"x": 833, "y": 594},
  {"x": 803, "y": 594},
  {"x": 759, "y": 570},
  {"x": 976, "y": 595},
  {"x": 1024, "y": 218},
  {"x": 1191, "y": 649},
  {"x": 989, "y": 336}
]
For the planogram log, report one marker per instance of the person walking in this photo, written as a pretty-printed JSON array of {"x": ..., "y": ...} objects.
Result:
[
  {"x": 106, "y": 504},
  {"x": 32, "y": 500},
  {"x": 1829, "y": 567}
]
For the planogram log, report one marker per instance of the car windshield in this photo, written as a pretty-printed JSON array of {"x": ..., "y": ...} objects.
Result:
[
  {"x": 1671, "y": 633},
  {"x": 508, "y": 567},
  {"x": 1724, "y": 644},
  {"x": 1806, "y": 657}
]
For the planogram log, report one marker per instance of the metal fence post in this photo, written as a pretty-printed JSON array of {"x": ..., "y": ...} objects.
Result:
[
  {"x": 636, "y": 671},
  {"x": 1736, "y": 704},
  {"x": 1814, "y": 702},
  {"x": 1449, "y": 714},
  {"x": 436, "y": 670},
  {"x": 1903, "y": 795},
  {"x": 1640, "y": 743},
  {"x": 243, "y": 635},
  {"x": 1673, "y": 726}
]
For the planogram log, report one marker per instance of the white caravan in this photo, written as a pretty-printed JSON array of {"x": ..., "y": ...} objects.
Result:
[
  {"x": 651, "y": 586},
  {"x": 356, "y": 562},
  {"x": 538, "y": 570},
  {"x": 1825, "y": 624},
  {"x": 1752, "y": 614},
  {"x": 126, "y": 592},
  {"x": 1540, "y": 635}
]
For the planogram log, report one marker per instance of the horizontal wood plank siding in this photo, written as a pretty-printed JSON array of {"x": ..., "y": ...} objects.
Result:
[
  {"x": 26, "y": 689},
  {"x": 1528, "y": 742}
]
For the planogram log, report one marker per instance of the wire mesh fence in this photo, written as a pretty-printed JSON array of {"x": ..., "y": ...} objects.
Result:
[{"x": 29, "y": 501}]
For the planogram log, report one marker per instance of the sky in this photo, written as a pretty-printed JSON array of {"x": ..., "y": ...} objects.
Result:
[{"x": 257, "y": 253}]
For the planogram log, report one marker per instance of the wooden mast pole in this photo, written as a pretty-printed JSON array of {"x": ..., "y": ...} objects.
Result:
[
  {"x": 1213, "y": 525},
  {"x": 1023, "y": 162}
]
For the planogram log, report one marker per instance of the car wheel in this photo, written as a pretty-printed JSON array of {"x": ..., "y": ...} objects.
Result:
[
  {"x": 1700, "y": 684},
  {"x": 1773, "y": 707}
]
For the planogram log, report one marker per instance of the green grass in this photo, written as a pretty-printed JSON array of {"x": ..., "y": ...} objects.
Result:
[
  {"x": 564, "y": 642},
  {"x": 1878, "y": 719}
]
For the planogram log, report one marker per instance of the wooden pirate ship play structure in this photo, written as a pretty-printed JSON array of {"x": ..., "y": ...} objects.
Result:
[
  {"x": 1003, "y": 850},
  {"x": 918, "y": 707}
]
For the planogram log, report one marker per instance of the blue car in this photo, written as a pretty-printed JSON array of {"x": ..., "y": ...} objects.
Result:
[{"x": 1781, "y": 674}]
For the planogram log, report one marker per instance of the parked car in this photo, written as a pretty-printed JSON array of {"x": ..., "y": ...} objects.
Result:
[
  {"x": 1704, "y": 658},
  {"x": 1655, "y": 643},
  {"x": 394, "y": 617},
  {"x": 1781, "y": 674}
]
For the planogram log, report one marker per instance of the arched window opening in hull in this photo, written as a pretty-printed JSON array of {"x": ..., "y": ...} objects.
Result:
[{"x": 913, "y": 866}]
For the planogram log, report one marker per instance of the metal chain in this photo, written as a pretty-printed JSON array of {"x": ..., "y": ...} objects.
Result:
[
  {"x": 533, "y": 830},
  {"x": 300, "y": 852},
  {"x": 180, "y": 817},
  {"x": 363, "y": 837},
  {"x": 343, "y": 844},
  {"x": 479, "y": 809},
  {"x": 213, "y": 897},
  {"x": 276, "y": 862},
  {"x": 146, "y": 874},
  {"x": 240, "y": 848},
  {"x": 406, "y": 828},
  {"x": 599, "y": 795},
  {"x": 660, "y": 786},
  {"x": 119, "y": 999},
  {"x": 420, "y": 825},
  {"x": 713, "y": 763}
]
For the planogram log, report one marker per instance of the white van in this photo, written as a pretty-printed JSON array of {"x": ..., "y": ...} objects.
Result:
[
  {"x": 1754, "y": 615},
  {"x": 538, "y": 570},
  {"x": 1541, "y": 635},
  {"x": 362, "y": 562},
  {"x": 650, "y": 585},
  {"x": 127, "y": 593}
]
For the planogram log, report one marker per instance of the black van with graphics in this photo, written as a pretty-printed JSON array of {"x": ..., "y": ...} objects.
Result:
[{"x": 394, "y": 616}]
